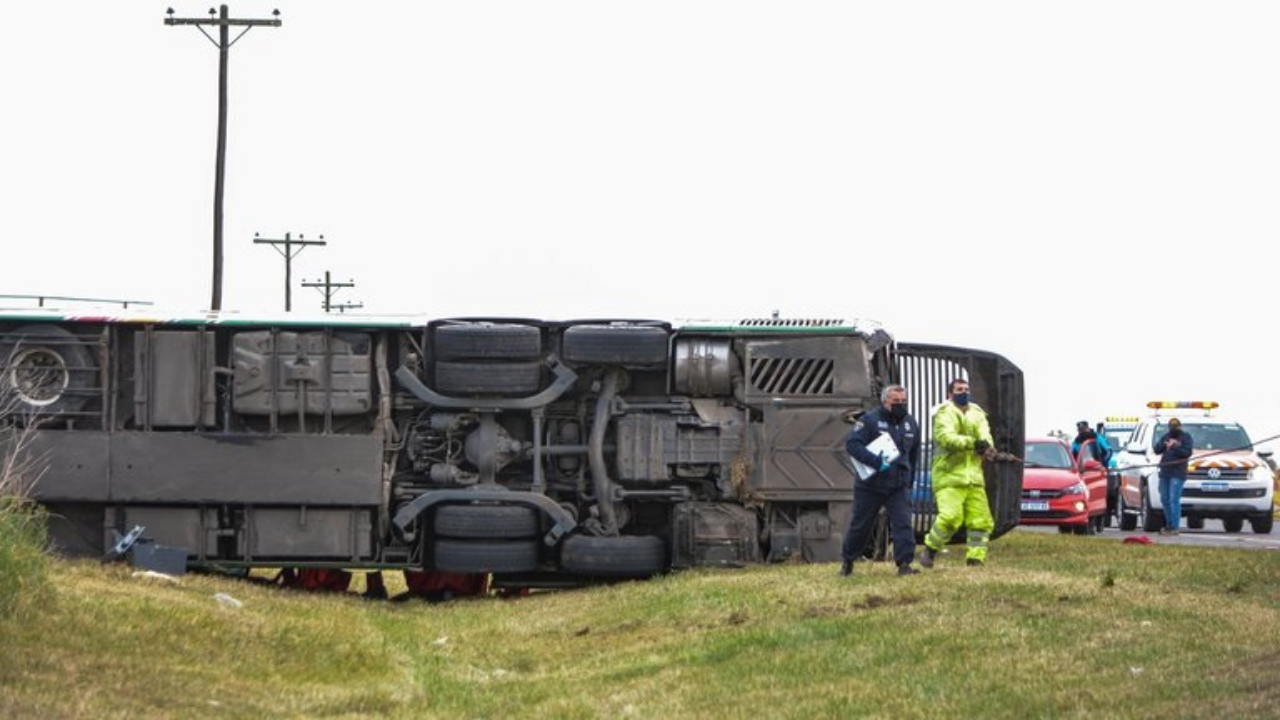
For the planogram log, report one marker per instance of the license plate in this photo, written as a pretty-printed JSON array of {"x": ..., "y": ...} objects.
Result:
[
  {"x": 1035, "y": 506},
  {"x": 1214, "y": 487}
]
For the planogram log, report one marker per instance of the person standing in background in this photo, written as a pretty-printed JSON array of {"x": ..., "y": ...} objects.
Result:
[{"x": 1175, "y": 448}]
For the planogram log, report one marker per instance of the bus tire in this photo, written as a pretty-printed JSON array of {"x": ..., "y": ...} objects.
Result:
[
  {"x": 639, "y": 346},
  {"x": 490, "y": 378},
  {"x": 488, "y": 341},
  {"x": 486, "y": 522},
  {"x": 621, "y": 556},
  {"x": 48, "y": 369},
  {"x": 485, "y": 556}
]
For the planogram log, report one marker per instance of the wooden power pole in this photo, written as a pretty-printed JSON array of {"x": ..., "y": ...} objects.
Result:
[
  {"x": 328, "y": 288},
  {"x": 224, "y": 22},
  {"x": 289, "y": 253}
]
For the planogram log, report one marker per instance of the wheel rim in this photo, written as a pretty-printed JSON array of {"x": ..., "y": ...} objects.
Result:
[{"x": 38, "y": 376}]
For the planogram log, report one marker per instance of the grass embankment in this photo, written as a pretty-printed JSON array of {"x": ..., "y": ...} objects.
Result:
[
  {"x": 22, "y": 561},
  {"x": 1055, "y": 627},
  {"x": 22, "y": 528}
]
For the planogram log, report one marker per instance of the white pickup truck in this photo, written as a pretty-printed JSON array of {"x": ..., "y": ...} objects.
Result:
[{"x": 1227, "y": 478}]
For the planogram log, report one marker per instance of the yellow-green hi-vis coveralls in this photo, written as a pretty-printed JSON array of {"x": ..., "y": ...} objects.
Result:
[{"x": 958, "y": 484}]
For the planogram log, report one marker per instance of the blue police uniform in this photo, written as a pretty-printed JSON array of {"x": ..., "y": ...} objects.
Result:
[{"x": 889, "y": 488}]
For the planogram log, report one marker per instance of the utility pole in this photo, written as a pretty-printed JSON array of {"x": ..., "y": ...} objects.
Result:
[
  {"x": 328, "y": 288},
  {"x": 289, "y": 254},
  {"x": 343, "y": 307},
  {"x": 224, "y": 22}
]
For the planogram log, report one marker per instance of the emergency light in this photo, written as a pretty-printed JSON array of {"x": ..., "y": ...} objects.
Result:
[{"x": 1182, "y": 404}]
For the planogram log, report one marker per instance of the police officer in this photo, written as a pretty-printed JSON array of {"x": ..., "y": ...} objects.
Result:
[{"x": 887, "y": 481}]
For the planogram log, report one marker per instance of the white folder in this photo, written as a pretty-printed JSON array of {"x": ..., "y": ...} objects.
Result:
[{"x": 882, "y": 445}]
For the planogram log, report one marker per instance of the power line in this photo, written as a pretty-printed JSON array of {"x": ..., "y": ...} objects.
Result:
[
  {"x": 223, "y": 21},
  {"x": 289, "y": 254}
]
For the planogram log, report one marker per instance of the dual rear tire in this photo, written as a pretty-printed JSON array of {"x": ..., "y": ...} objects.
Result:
[{"x": 486, "y": 538}]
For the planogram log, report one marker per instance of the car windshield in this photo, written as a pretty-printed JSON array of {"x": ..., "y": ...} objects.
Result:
[
  {"x": 1213, "y": 437},
  {"x": 1051, "y": 455}
]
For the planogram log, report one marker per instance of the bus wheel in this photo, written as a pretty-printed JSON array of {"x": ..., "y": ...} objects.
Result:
[
  {"x": 476, "y": 377},
  {"x": 639, "y": 346},
  {"x": 622, "y": 556},
  {"x": 486, "y": 556},
  {"x": 488, "y": 341},
  {"x": 48, "y": 369},
  {"x": 487, "y": 522}
]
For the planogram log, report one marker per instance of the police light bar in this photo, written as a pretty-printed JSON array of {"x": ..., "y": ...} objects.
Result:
[{"x": 1182, "y": 404}]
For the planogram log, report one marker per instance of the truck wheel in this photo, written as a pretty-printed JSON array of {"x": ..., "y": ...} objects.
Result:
[
  {"x": 486, "y": 556},
  {"x": 1262, "y": 523},
  {"x": 496, "y": 378},
  {"x": 1152, "y": 520},
  {"x": 1195, "y": 523},
  {"x": 486, "y": 522},
  {"x": 1233, "y": 525},
  {"x": 1128, "y": 521},
  {"x": 488, "y": 341},
  {"x": 622, "y": 556},
  {"x": 48, "y": 369},
  {"x": 639, "y": 346}
]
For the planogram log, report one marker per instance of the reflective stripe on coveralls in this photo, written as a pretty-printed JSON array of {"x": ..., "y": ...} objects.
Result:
[
  {"x": 955, "y": 505},
  {"x": 958, "y": 481}
]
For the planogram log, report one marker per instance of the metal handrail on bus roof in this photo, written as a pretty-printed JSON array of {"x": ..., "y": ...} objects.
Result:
[{"x": 40, "y": 300}]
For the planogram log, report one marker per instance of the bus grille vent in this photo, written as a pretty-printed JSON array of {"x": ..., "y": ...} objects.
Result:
[{"x": 793, "y": 376}]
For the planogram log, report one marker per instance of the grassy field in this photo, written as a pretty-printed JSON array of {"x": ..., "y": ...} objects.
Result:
[{"x": 1054, "y": 627}]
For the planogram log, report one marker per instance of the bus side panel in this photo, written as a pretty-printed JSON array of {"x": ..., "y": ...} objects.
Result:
[
  {"x": 804, "y": 455},
  {"x": 245, "y": 469},
  {"x": 69, "y": 465}
]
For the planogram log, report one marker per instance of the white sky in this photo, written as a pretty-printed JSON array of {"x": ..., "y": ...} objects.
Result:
[{"x": 1088, "y": 188}]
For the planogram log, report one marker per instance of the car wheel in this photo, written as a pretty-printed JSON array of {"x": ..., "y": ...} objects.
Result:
[
  {"x": 1232, "y": 525},
  {"x": 1262, "y": 523}
]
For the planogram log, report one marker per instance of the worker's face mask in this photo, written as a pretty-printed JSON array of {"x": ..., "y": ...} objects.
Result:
[
  {"x": 961, "y": 399},
  {"x": 898, "y": 410}
]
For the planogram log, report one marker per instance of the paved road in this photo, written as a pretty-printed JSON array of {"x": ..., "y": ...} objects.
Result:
[{"x": 1211, "y": 536}]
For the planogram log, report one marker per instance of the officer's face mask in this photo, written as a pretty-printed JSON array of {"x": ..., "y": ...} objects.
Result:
[
  {"x": 898, "y": 410},
  {"x": 1175, "y": 431},
  {"x": 960, "y": 399}
]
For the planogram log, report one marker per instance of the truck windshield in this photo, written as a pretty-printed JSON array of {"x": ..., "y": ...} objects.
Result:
[{"x": 1217, "y": 437}]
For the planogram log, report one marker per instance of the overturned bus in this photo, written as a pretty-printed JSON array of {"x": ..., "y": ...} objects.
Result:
[{"x": 543, "y": 452}]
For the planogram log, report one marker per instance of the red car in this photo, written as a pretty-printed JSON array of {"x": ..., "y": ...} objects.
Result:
[{"x": 1059, "y": 489}]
